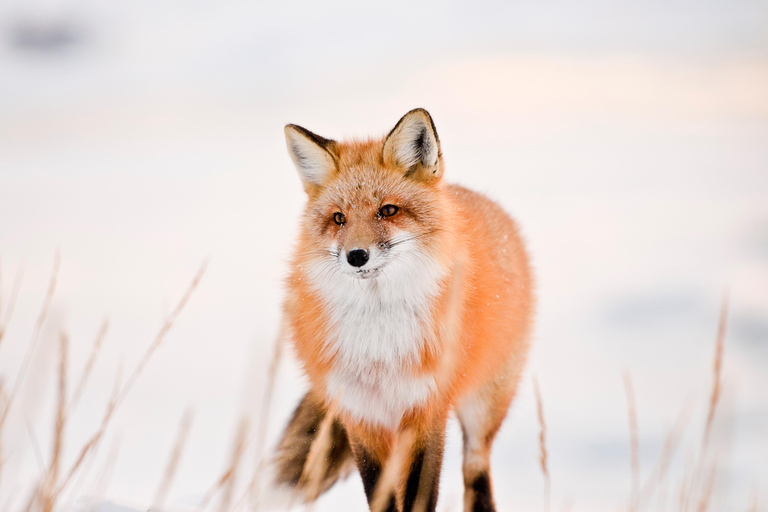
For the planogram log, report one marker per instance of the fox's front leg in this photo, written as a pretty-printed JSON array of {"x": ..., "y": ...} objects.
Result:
[
  {"x": 424, "y": 466},
  {"x": 406, "y": 478},
  {"x": 370, "y": 464}
]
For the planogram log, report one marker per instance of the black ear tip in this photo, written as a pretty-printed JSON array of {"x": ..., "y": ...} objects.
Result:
[
  {"x": 320, "y": 141},
  {"x": 420, "y": 111}
]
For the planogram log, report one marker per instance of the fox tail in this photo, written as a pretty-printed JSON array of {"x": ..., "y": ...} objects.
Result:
[{"x": 313, "y": 454}]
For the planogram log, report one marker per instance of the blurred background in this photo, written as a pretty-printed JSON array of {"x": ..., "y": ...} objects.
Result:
[{"x": 140, "y": 139}]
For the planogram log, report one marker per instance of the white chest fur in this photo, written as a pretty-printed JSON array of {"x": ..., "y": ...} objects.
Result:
[{"x": 379, "y": 329}]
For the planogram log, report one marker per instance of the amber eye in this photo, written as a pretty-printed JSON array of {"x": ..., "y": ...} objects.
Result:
[
  {"x": 339, "y": 218},
  {"x": 388, "y": 210}
]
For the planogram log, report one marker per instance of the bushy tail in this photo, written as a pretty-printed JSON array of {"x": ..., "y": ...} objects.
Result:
[{"x": 305, "y": 430}]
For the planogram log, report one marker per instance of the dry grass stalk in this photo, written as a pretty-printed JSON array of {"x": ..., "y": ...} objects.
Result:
[
  {"x": 33, "y": 341},
  {"x": 634, "y": 443},
  {"x": 10, "y": 501},
  {"x": 15, "y": 288},
  {"x": 99, "y": 487},
  {"x": 173, "y": 461},
  {"x": 315, "y": 465},
  {"x": 72, "y": 490},
  {"x": 660, "y": 472},
  {"x": 88, "y": 366},
  {"x": 699, "y": 488},
  {"x": 542, "y": 444},
  {"x": 169, "y": 321},
  {"x": 252, "y": 491},
  {"x": 36, "y": 448},
  {"x": 46, "y": 494},
  {"x": 717, "y": 372},
  {"x": 393, "y": 471},
  {"x": 119, "y": 392},
  {"x": 226, "y": 483},
  {"x": 94, "y": 441},
  {"x": 705, "y": 494},
  {"x": 34, "y": 499},
  {"x": 49, "y": 488}
]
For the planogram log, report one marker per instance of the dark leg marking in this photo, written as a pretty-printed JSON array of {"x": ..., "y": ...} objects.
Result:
[
  {"x": 370, "y": 471},
  {"x": 482, "y": 490},
  {"x": 424, "y": 476},
  {"x": 414, "y": 474}
]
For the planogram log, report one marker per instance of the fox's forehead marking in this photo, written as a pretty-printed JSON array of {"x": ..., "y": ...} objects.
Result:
[{"x": 360, "y": 187}]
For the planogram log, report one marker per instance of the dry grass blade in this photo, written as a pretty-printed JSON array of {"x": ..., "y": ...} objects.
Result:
[
  {"x": 169, "y": 321},
  {"x": 99, "y": 489},
  {"x": 634, "y": 444},
  {"x": 88, "y": 366},
  {"x": 659, "y": 474},
  {"x": 15, "y": 288},
  {"x": 36, "y": 448},
  {"x": 700, "y": 486},
  {"x": 226, "y": 483},
  {"x": 266, "y": 406},
  {"x": 49, "y": 488},
  {"x": 542, "y": 443},
  {"x": 73, "y": 489},
  {"x": 315, "y": 465},
  {"x": 10, "y": 499},
  {"x": 706, "y": 493},
  {"x": 120, "y": 393},
  {"x": 93, "y": 442},
  {"x": 717, "y": 372},
  {"x": 173, "y": 460},
  {"x": 33, "y": 341}
]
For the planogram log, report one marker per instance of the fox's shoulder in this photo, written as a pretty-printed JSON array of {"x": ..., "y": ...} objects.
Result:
[
  {"x": 479, "y": 208},
  {"x": 489, "y": 231}
]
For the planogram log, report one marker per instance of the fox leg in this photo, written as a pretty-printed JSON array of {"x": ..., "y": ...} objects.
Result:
[
  {"x": 303, "y": 431},
  {"x": 481, "y": 414},
  {"x": 370, "y": 468},
  {"x": 424, "y": 473},
  {"x": 413, "y": 486}
]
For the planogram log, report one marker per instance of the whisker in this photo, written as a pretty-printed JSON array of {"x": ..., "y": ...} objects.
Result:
[{"x": 392, "y": 242}]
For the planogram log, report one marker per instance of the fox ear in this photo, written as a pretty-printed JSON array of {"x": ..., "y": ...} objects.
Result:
[
  {"x": 311, "y": 155},
  {"x": 413, "y": 144}
]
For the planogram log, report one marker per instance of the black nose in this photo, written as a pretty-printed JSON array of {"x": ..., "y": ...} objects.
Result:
[{"x": 357, "y": 257}]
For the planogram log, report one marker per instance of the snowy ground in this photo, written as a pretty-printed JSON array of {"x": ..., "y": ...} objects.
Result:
[{"x": 630, "y": 141}]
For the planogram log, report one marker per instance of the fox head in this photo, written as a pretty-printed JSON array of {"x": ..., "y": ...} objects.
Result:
[{"x": 374, "y": 206}]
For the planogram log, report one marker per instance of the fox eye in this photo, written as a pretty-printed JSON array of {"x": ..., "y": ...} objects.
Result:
[
  {"x": 339, "y": 218},
  {"x": 388, "y": 210}
]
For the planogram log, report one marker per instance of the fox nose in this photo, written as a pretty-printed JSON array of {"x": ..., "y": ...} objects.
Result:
[{"x": 357, "y": 257}]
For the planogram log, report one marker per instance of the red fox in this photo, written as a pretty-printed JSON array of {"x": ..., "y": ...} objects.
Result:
[{"x": 408, "y": 298}]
